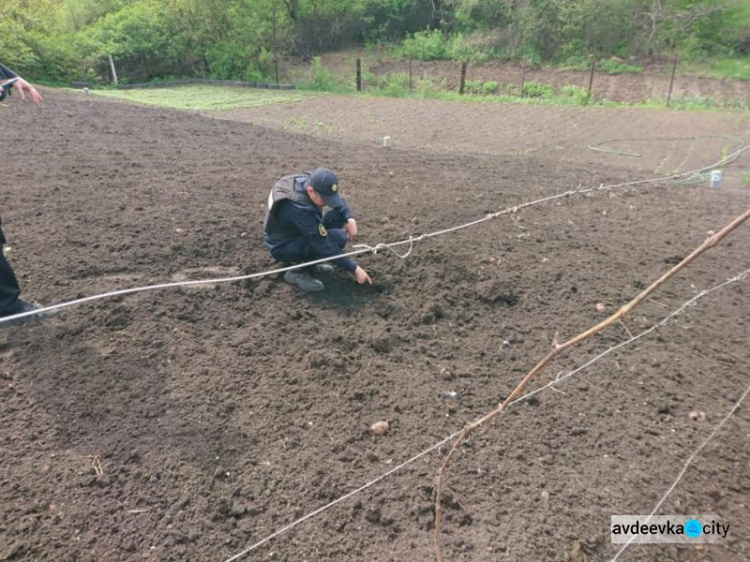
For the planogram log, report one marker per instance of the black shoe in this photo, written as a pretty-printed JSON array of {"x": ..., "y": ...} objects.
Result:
[
  {"x": 19, "y": 307},
  {"x": 323, "y": 268},
  {"x": 304, "y": 281}
]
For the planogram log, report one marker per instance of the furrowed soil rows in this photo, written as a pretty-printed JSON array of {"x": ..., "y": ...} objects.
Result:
[{"x": 218, "y": 415}]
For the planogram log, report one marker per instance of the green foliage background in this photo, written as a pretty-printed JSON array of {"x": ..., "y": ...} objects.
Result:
[{"x": 60, "y": 40}]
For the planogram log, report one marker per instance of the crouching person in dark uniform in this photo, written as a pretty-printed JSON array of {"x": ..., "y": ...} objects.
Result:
[{"x": 297, "y": 230}]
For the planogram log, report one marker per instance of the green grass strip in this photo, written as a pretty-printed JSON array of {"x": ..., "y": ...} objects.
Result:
[{"x": 207, "y": 98}]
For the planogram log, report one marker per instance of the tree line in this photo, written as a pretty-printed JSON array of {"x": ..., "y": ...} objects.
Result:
[{"x": 60, "y": 40}]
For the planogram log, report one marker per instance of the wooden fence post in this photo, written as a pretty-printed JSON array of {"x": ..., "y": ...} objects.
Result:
[
  {"x": 359, "y": 75},
  {"x": 114, "y": 72},
  {"x": 671, "y": 81},
  {"x": 462, "y": 84}
]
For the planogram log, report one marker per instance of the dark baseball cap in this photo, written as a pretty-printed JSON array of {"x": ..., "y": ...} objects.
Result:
[{"x": 326, "y": 184}]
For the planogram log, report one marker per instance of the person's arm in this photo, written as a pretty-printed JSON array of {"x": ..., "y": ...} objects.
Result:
[
  {"x": 20, "y": 85},
  {"x": 350, "y": 223},
  {"x": 345, "y": 211}
]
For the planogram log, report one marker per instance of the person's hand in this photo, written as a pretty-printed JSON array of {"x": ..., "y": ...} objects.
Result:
[
  {"x": 361, "y": 276},
  {"x": 22, "y": 86},
  {"x": 351, "y": 229}
]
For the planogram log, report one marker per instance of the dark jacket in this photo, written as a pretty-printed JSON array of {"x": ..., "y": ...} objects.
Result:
[{"x": 292, "y": 215}]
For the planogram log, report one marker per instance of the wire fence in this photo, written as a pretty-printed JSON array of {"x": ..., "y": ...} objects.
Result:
[{"x": 600, "y": 80}]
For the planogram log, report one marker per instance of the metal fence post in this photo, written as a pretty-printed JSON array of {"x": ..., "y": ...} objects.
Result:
[
  {"x": 591, "y": 76},
  {"x": 523, "y": 78},
  {"x": 462, "y": 84},
  {"x": 359, "y": 75},
  {"x": 671, "y": 81}
]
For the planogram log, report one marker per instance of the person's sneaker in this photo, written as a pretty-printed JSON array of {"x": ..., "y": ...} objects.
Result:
[
  {"x": 304, "y": 281},
  {"x": 323, "y": 268},
  {"x": 19, "y": 307}
]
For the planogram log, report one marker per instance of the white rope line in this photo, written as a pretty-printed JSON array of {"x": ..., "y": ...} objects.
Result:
[
  {"x": 511, "y": 210},
  {"x": 685, "y": 467},
  {"x": 596, "y": 146},
  {"x": 410, "y": 241},
  {"x": 558, "y": 379},
  {"x": 375, "y": 249},
  {"x": 342, "y": 498}
]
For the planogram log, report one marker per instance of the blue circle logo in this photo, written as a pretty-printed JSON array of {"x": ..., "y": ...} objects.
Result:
[{"x": 693, "y": 528}]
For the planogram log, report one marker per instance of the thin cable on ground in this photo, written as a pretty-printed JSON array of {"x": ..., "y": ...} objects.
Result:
[
  {"x": 509, "y": 210},
  {"x": 560, "y": 377},
  {"x": 685, "y": 467},
  {"x": 740, "y": 277},
  {"x": 700, "y": 177}
]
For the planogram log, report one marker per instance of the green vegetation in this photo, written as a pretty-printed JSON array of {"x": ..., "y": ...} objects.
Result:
[
  {"x": 700, "y": 104},
  {"x": 431, "y": 45},
  {"x": 322, "y": 79},
  {"x": 735, "y": 69},
  {"x": 205, "y": 98},
  {"x": 534, "y": 90},
  {"x": 61, "y": 40},
  {"x": 614, "y": 66},
  {"x": 479, "y": 88},
  {"x": 222, "y": 98}
]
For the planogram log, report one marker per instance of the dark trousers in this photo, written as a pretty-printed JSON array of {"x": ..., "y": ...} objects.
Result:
[
  {"x": 298, "y": 250},
  {"x": 9, "y": 289}
]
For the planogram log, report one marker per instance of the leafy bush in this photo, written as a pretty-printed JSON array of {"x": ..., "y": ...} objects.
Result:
[
  {"x": 473, "y": 87},
  {"x": 469, "y": 49},
  {"x": 490, "y": 87},
  {"x": 479, "y": 88},
  {"x": 428, "y": 86},
  {"x": 536, "y": 90},
  {"x": 614, "y": 66},
  {"x": 577, "y": 62},
  {"x": 575, "y": 94},
  {"x": 423, "y": 45},
  {"x": 324, "y": 79},
  {"x": 396, "y": 84}
]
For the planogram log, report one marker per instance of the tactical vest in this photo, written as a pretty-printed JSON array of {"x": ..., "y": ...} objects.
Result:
[{"x": 282, "y": 190}]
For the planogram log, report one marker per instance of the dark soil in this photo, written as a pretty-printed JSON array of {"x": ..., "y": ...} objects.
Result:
[{"x": 218, "y": 415}]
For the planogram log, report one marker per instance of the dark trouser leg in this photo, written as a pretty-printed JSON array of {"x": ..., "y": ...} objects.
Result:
[
  {"x": 9, "y": 289},
  {"x": 295, "y": 251},
  {"x": 298, "y": 250}
]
